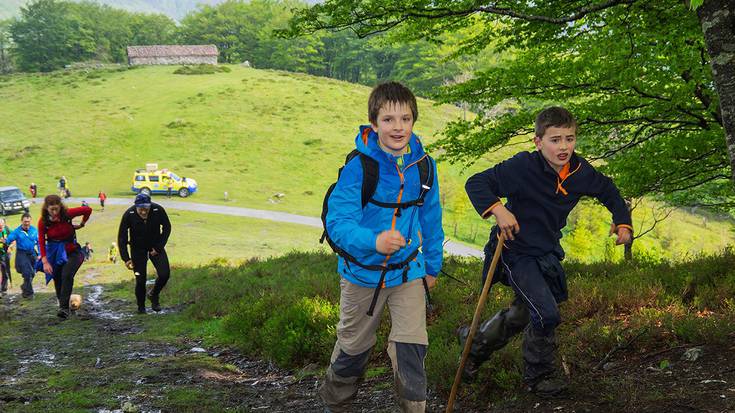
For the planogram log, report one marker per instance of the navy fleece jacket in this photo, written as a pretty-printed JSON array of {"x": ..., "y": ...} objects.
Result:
[{"x": 541, "y": 199}]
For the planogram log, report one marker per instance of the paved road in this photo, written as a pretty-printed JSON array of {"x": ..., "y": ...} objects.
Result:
[{"x": 451, "y": 247}]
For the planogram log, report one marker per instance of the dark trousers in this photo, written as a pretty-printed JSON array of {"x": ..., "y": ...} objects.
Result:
[
  {"x": 25, "y": 262},
  {"x": 534, "y": 311},
  {"x": 5, "y": 271},
  {"x": 140, "y": 265},
  {"x": 64, "y": 277}
]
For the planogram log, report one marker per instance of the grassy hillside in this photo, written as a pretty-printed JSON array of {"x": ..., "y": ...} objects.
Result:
[{"x": 251, "y": 133}]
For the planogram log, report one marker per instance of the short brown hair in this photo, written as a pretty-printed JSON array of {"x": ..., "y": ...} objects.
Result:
[
  {"x": 554, "y": 116},
  {"x": 390, "y": 92}
]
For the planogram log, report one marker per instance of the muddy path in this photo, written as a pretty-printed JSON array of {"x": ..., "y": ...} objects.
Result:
[{"x": 106, "y": 358}]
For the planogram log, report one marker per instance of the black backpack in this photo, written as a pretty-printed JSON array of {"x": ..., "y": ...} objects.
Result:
[{"x": 370, "y": 177}]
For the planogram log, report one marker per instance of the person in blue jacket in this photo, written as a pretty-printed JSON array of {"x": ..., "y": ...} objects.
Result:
[
  {"x": 26, "y": 255},
  {"x": 541, "y": 189},
  {"x": 395, "y": 247}
]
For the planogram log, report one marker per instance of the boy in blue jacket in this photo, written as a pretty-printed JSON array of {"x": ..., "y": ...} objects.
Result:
[
  {"x": 390, "y": 251},
  {"x": 541, "y": 189}
]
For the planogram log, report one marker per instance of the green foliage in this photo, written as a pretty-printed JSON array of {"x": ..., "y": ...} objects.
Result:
[
  {"x": 245, "y": 31},
  {"x": 201, "y": 70},
  {"x": 51, "y": 34},
  {"x": 6, "y": 46},
  {"x": 303, "y": 330},
  {"x": 636, "y": 75}
]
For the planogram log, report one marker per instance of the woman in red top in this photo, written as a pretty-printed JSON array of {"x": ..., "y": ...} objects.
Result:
[{"x": 60, "y": 252}]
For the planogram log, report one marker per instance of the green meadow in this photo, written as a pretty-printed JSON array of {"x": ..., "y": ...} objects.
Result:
[{"x": 255, "y": 134}]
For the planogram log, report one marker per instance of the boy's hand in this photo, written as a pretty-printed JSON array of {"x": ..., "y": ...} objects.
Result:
[
  {"x": 430, "y": 281},
  {"x": 389, "y": 242},
  {"x": 506, "y": 222},
  {"x": 129, "y": 264},
  {"x": 625, "y": 235}
]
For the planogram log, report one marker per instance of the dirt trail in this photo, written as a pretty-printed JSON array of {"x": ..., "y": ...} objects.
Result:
[{"x": 105, "y": 358}]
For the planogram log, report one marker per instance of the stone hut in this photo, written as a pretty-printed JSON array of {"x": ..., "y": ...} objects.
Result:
[{"x": 172, "y": 55}]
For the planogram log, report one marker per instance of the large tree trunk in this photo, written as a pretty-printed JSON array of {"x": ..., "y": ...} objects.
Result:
[{"x": 717, "y": 18}]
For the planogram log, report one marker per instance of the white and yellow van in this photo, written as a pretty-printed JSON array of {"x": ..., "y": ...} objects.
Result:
[{"x": 158, "y": 182}]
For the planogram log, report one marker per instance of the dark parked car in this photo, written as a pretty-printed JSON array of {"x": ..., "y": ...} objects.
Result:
[{"x": 12, "y": 200}]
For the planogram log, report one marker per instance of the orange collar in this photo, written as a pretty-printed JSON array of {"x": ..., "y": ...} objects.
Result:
[
  {"x": 564, "y": 171},
  {"x": 563, "y": 175}
]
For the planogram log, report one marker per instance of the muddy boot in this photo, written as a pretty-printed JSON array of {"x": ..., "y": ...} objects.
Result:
[
  {"x": 155, "y": 305},
  {"x": 548, "y": 387},
  {"x": 471, "y": 366},
  {"x": 141, "y": 310},
  {"x": 63, "y": 313}
]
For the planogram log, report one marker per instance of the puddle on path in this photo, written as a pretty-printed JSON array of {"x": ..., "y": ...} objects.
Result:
[{"x": 96, "y": 307}]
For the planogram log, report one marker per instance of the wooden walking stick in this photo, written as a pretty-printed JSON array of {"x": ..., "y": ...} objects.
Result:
[{"x": 475, "y": 322}]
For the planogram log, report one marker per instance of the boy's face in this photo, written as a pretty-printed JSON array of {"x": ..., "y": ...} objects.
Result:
[
  {"x": 394, "y": 127},
  {"x": 557, "y": 145}
]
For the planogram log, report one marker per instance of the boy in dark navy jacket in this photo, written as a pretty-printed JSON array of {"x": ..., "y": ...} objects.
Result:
[{"x": 541, "y": 189}]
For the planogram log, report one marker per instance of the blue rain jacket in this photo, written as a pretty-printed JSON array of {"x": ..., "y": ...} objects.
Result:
[
  {"x": 56, "y": 256},
  {"x": 24, "y": 240},
  {"x": 355, "y": 229}
]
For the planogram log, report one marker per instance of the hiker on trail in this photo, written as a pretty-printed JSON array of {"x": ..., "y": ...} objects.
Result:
[
  {"x": 62, "y": 187},
  {"x": 87, "y": 251},
  {"x": 61, "y": 255},
  {"x": 34, "y": 190},
  {"x": 541, "y": 189},
  {"x": 112, "y": 253},
  {"x": 390, "y": 250},
  {"x": 25, "y": 238},
  {"x": 103, "y": 197},
  {"x": 4, "y": 256},
  {"x": 146, "y": 228}
]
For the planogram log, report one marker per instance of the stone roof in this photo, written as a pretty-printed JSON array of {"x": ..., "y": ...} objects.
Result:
[{"x": 169, "y": 51}]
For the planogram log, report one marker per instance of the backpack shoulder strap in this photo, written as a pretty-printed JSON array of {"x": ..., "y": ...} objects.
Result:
[
  {"x": 426, "y": 175},
  {"x": 370, "y": 176}
]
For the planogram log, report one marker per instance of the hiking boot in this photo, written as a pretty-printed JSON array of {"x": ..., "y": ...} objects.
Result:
[
  {"x": 548, "y": 387},
  {"x": 63, "y": 313},
  {"x": 471, "y": 366},
  {"x": 155, "y": 305},
  {"x": 470, "y": 370}
]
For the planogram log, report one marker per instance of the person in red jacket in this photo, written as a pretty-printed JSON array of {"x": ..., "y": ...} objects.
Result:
[
  {"x": 61, "y": 255},
  {"x": 102, "y": 196}
]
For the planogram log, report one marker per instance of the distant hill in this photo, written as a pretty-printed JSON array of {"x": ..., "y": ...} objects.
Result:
[{"x": 176, "y": 9}]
